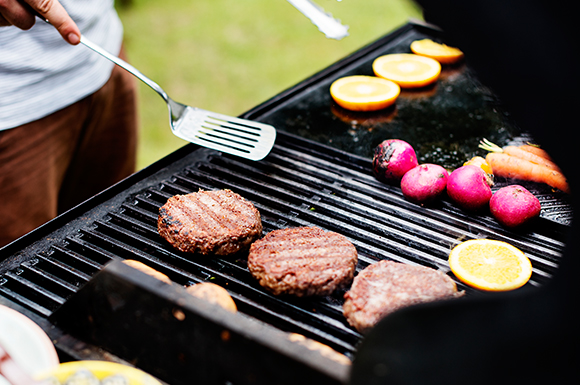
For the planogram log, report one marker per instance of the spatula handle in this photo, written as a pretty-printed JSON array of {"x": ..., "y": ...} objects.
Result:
[
  {"x": 123, "y": 64},
  {"x": 118, "y": 61},
  {"x": 331, "y": 27}
]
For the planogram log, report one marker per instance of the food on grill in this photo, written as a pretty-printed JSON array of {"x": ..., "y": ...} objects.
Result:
[
  {"x": 386, "y": 286},
  {"x": 407, "y": 69},
  {"x": 218, "y": 222},
  {"x": 536, "y": 150},
  {"x": 323, "y": 349},
  {"x": 490, "y": 265},
  {"x": 364, "y": 93},
  {"x": 441, "y": 52},
  {"x": 514, "y": 205},
  {"x": 424, "y": 183},
  {"x": 214, "y": 294},
  {"x": 147, "y": 270},
  {"x": 479, "y": 161},
  {"x": 468, "y": 187},
  {"x": 303, "y": 261},
  {"x": 508, "y": 166},
  {"x": 527, "y": 152},
  {"x": 392, "y": 159},
  {"x": 525, "y": 163},
  {"x": 482, "y": 163}
]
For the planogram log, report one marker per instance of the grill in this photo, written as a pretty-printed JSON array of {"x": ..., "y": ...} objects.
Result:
[{"x": 64, "y": 274}]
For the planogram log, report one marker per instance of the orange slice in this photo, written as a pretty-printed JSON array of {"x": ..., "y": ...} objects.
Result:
[
  {"x": 479, "y": 161},
  {"x": 490, "y": 265},
  {"x": 440, "y": 52},
  {"x": 364, "y": 93},
  {"x": 407, "y": 70}
]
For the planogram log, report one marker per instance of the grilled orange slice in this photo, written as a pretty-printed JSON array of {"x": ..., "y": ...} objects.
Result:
[
  {"x": 364, "y": 93},
  {"x": 490, "y": 265},
  {"x": 440, "y": 52},
  {"x": 479, "y": 161},
  {"x": 407, "y": 70}
]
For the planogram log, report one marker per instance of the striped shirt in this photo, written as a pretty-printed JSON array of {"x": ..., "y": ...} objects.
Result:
[{"x": 40, "y": 73}]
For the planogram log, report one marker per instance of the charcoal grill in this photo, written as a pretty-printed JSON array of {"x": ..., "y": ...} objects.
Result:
[{"x": 66, "y": 274}]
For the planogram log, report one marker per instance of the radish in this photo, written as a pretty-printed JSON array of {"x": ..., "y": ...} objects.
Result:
[
  {"x": 424, "y": 183},
  {"x": 467, "y": 186},
  {"x": 514, "y": 205},
  {"x": 392, "y": 159}
]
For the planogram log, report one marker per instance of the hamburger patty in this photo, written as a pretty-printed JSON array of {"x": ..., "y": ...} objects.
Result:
[
  {"x": 217, "y": 222},
  {"x": 303, "y": 261},
  {"x": 386, "y": 286}
]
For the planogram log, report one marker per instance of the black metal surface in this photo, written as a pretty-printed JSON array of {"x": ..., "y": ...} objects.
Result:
[
  {"x": 185, "y": 340},
  {"x": 302, "y": 182},
  {"x": 443, "y": 122}
]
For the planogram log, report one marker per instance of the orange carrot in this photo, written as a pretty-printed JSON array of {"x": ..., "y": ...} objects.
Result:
[
  {"x": 522, "y": 153},
  {"x": 508, "y": 166},
  {"x": 528, "y": 152},
  {"x": 537, "y": 151}
]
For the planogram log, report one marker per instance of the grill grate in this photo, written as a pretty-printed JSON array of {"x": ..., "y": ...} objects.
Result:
[{"x": 299, "y": 184}]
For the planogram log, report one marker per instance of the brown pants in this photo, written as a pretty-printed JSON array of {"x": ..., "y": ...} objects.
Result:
[{"x": 51, "y": 165}]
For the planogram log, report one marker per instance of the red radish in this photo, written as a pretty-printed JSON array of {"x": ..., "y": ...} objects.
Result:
[
  {"x": 392, "y": 159},
  {"x": 468, "y": 187},
  {"x": 514, "y": 205},
  {"x": 424, "y": 183}
]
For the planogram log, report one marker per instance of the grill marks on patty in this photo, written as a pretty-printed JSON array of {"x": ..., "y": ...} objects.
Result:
[
  {"x": 217, "y": 222},
  {"x": 302, "y": 261},
  {"x": 209, "y": 213}
]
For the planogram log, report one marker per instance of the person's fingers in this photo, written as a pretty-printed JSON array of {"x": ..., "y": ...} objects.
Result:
[
  {"x": 4, "y": 22},
  {"x": 13, "y": 12},
  {"x": 56, "y": 15},
  {"x": 22, "y": 14}
]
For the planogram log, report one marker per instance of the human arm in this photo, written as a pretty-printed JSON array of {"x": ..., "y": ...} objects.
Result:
[{"x": 22, "y": 14}]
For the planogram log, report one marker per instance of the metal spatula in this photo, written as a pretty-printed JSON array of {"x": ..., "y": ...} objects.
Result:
[{"x": 241, "y": 137}]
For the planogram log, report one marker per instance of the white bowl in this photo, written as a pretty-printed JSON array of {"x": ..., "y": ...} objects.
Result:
[{"x": 26, "y": 343}]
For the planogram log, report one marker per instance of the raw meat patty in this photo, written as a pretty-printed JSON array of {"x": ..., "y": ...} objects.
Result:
[{"x": 386, "y": 286}]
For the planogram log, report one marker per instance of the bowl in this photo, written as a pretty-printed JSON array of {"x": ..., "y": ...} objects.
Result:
[
  {"x": 104, "y": 371},
  {"x": 26, "y": 343}
]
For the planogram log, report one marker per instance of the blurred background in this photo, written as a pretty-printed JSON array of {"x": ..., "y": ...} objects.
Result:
[{"x": 228, "y": 56}]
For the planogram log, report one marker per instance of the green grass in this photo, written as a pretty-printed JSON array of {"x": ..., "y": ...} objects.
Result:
[{"x": 228, "y": 56}]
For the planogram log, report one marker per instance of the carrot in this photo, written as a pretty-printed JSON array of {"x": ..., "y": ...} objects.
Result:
[
  {"x": 508, "y": 166},
  {"x": 521, "y": 153},
  {"x": 534, "y": 149},
  {"x": 526, "y": 152}
]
